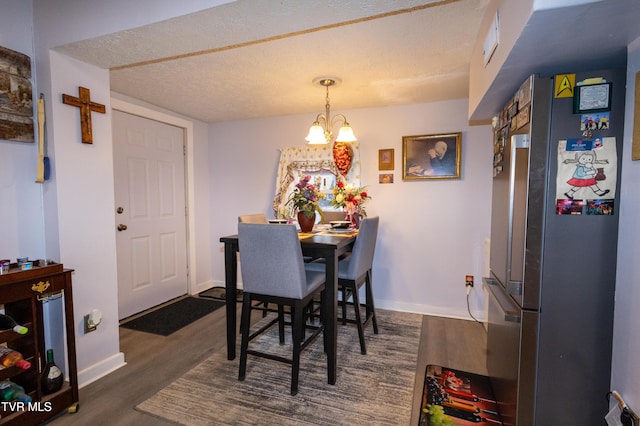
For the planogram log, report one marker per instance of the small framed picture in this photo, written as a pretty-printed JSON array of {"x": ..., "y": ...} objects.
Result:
[
  {"x": 592, "y": 98},
  {"x": 431, "y": 156},
  {"x": 385, "y": 159},
  {"x": 385, "y": 178}
]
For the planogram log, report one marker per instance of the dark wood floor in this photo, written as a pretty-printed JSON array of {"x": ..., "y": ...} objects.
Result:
[{"x": 155, "y": 361}]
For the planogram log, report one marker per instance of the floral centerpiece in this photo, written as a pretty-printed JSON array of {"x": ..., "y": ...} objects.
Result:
[
  {"x": 350, "y": 198},
  {"x": 304, "y": 201}
]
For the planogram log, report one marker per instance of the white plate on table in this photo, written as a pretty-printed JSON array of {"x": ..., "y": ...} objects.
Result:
[
  {"x": 340, "y": 231},
  {"x": 278, "y": 221},
  {"x": 340, "y": 224}
]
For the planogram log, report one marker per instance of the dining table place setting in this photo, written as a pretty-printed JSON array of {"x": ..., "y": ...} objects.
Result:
[{"x": 333, "y": 228}]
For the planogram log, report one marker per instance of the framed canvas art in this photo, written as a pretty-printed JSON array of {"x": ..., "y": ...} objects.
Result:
[{"x": 431, "y": 156}]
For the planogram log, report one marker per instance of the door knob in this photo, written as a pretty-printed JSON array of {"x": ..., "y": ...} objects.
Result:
[{"x": 122, "y": 227}]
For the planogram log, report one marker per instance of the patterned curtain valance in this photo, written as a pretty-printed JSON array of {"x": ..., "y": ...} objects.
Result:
[{"x": 319, "y": 163}]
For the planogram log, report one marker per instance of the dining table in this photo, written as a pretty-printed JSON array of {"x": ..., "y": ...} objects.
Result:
[{"x": 325, "y": 245}]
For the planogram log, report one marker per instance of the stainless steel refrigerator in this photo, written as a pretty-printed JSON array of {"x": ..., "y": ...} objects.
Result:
[{"x": 553, "y": 255}]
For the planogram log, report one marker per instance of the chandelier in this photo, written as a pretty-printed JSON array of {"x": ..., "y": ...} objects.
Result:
[{"x": 321, "y": 129}]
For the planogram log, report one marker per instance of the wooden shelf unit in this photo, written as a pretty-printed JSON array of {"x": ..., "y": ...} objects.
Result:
[{"x": 22, "y": 293}]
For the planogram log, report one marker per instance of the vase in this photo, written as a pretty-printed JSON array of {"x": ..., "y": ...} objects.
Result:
[
  {"x": 355, "y": 219},
  {"x": 306, "y": 223}
]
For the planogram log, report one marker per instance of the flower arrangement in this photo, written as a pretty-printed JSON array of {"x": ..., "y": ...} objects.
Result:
[
  {"x": 304, "y": 198},
  {"x": 350, "y": 198}
]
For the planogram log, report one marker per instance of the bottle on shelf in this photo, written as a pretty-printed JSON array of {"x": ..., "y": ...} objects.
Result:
[
  {"x": 10, "y": 358},
  {"x": 8, "y": 323},
  {"x": 10, "y": 391},
  {"x": 51, "y": 375}
]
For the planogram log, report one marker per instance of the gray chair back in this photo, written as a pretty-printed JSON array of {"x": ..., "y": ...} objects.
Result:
[
  {"x": 361, "y": 259},
  {"x": 253, "y": 218},
  {"x": 272, "y": 260},
  {"x": 330, "y": 216}
]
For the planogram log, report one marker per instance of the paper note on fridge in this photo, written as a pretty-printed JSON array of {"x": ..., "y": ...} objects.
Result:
[{"x": 586, "y": 169}]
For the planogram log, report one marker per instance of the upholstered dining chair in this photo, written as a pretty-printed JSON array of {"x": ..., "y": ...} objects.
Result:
[
  {"x": 253, "y": 218},
  {"x": 273, "y": 271},
  {"x": 328, "y": 216},
  {"x": 256, "y": 218},
  {"x": 354, "y": 271}
]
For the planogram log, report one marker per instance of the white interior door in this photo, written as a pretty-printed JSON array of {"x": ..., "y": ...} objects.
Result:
[{"x": 150, "y": 226}]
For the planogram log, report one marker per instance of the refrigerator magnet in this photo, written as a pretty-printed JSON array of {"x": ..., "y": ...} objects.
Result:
[
  {"x": 592, "y": 98},
  {"x": 585, "y": 172}
]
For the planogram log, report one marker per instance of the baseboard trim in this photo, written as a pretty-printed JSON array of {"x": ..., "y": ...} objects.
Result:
[
  {"x": 438, "y": 311},
  {"x": 100, "y": 369},
  {"x": 200, "y": 287}
]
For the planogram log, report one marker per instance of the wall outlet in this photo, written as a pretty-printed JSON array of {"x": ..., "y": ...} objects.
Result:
[
  {"x": 89, "y": 326},
  {"x": 468, "y": 281}
]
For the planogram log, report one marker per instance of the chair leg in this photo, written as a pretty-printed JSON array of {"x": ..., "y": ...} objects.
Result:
[
  {"x": 371, "y": 310},
  {"x": 344, "y": 305},
  {"x": 244, "y": 330},
  {"x": 323, "y": 322},
  {"x": 281, "y": 323},
  {"x": 356, "y": 305},
  {"x": 297, "y": 327}
]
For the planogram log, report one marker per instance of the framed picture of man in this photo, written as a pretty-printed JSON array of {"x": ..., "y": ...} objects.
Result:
[{"x": 431, "y": 156}]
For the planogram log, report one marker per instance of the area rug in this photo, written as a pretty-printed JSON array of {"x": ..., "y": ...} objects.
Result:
[
  {"x": 372, "y": 389},
  {"x": 171, "y": 318},
  {"x": 457, "y": 397}
]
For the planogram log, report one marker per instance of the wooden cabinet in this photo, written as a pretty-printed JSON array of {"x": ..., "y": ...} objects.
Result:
[{"x": 23, "y": 294}]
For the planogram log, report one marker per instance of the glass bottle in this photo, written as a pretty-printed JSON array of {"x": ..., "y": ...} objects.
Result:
[
  {"x": 51, "y": 375},
  {"x": 10, "y": 391},
  {"x": 8, "y": 323},
  {"x": 10, "y": 357}
]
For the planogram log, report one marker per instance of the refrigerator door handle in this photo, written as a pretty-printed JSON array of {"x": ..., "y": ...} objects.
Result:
[
  {"x": 514, "y": 288},
  {"x": 507, "y": 307}
]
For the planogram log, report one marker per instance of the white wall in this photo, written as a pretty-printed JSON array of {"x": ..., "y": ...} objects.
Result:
[
  {"x": 83, "y": 178},
  {"x": 22, "y": 232},
  {"x": 432, "y": 232},
  {"x": 626, "y": 335},
  {"x": 83, "y": 19},
  {"x": 513, "y": 16}
]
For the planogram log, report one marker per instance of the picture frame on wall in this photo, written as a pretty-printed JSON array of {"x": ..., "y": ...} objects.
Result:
[
  {"x": 385, "y": 159},
  {"x": 16, "y": 99},
  {"x": 385, "y": 178},
  {"x": 437, "y": 156},
  {"x": 592, "y": 98}
]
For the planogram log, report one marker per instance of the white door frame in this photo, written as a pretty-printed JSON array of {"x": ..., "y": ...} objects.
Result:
[{"x": 187, "y": 125}]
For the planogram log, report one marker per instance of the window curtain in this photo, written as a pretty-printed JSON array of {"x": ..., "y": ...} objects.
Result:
[{"x": 318, "y": 162}]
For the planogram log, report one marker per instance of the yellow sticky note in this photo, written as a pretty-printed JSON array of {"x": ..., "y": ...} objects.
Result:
[
  {"x": 565, "y": 84},
  {"x": 592, "y": 80}
]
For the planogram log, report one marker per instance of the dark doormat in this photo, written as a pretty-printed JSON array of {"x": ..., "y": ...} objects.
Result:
[
  {"x": 173, "y": 317},
  {"x": 219, "y": 293},
  {"x": 458, "y": 398}
]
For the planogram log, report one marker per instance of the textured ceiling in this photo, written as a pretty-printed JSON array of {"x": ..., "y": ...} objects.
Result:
[{"x": 250, "y": 59}]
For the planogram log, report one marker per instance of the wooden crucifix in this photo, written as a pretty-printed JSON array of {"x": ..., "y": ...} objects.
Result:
[{"x": 86, "y": 106}]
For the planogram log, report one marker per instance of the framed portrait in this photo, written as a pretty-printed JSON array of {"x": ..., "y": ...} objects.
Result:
[
  {"x": 385, "y": 159},
  {"x": 431, "y": 156},
  {"x": 592, "y": 98}
]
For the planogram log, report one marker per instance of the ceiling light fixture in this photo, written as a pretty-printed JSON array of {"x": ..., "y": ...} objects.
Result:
[{"x": 321, "y": 129}]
